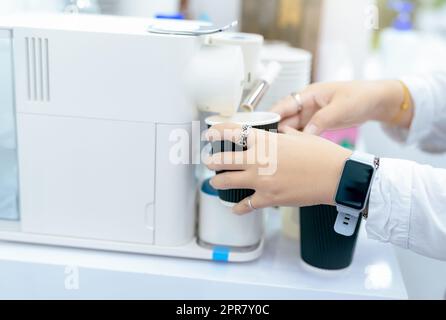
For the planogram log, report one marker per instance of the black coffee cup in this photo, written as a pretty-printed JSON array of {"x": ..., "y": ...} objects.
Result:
[
  {"x": 267, "y": 121},
  {"x": 321, "y": 246}
]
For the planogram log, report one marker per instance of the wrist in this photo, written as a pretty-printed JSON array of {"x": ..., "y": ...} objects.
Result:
[
  {"x": 333, "y": 178},
  {"x": 395, "y": 108}
]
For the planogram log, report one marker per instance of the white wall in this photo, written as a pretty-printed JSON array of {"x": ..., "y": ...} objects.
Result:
[
  {"x": 144, "y": 8},
  {"x": 39, "y": 6},
  {"x": 139, "y": 8},
  {"x": 14, "y": 6},
  {"x": 219, "y": 12},
  {"x": 344, "y": 40}
]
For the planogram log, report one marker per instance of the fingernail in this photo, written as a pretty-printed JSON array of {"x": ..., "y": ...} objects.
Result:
[
  {"x": 311, "y": 129},
  {"x": 237, "y": 211}
]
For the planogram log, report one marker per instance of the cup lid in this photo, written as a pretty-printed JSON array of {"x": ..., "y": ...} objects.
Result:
[{"x": 249, "y": 118}]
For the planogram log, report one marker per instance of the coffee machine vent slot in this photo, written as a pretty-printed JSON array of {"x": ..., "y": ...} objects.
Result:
[{"x": 38, "y": 75}]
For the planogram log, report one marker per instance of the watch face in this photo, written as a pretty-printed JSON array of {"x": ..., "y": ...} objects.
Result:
[{"x": 354, "y": 185}]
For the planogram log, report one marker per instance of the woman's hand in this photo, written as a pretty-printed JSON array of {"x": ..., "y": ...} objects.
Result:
[
  {"x": 294, "y": 169},
  {"x": 337, "y": 105}
]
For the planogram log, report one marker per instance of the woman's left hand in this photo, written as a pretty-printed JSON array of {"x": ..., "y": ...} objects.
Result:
[{"x": 293, "y": 169}]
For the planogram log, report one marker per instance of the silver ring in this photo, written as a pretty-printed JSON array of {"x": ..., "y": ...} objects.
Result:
[
  {"x": 298, "y": 98},
  {"x": 243, "y": 139},
  {"x": 250, "y": 204}
]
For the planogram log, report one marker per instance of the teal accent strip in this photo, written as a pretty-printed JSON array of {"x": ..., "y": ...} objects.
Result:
[
  {"x": 207, "y": 188},
  {"x": 221, "y": 254}
]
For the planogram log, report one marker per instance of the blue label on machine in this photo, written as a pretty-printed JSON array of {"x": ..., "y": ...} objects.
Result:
[{"x": 221, "y": 254}]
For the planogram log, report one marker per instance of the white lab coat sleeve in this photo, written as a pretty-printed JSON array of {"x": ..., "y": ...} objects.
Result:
[
  {"x": 408, "y": 201},
  {"x": 408, "y": 207},
  {"x": 428, "y": 129}
]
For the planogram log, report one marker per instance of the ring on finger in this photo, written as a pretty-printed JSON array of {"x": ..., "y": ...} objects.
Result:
[
  {"x": 243, "y": 139},
  {"x": 298, "y": 99},
  {"x": 251, "y": 206}
]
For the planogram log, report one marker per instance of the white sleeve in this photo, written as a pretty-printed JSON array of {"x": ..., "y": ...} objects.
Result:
[
  {"x": 428, "y": 128},
  {"x": 408, "y": 207}
]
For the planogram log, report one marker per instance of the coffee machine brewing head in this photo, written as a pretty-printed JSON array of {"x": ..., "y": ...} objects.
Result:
[{"x": 215, "y": 79}]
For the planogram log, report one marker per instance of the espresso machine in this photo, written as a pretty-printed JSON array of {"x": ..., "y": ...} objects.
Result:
[{"x": 97, "y": 104}]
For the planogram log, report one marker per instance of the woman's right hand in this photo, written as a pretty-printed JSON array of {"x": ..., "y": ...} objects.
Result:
[{"x": 337, "y": 105}]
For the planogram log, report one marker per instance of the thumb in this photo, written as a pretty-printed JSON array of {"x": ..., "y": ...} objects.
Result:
[
  {"x": 290, "y": 131},
  {"x": 325, "y": 119}
]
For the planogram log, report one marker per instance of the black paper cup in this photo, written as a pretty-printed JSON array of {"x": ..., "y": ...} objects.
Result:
[
  {"x": 267, "y": 121},
  {"x": 321, "y": 246}
]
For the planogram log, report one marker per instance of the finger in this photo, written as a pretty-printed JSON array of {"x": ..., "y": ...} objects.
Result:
[
  {"x": 307, "y": 113},
  {"x": 230, "y": 161},
  {"x": 299, "y": 119},
  {"x": 291, "y": 131},
  {"x": 317, "y": 97},
  {"x": 325, "y": 119},
  {"x": 292, "y": 122},
  {"x": 257, "y": 202},
  {"x": 223, "y": 131},
  {"x": 232, "y": 180},
  {"x": 233, "y": 133},
  {"x": 286, "y": 107}
]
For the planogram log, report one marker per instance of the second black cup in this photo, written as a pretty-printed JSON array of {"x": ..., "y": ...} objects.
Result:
[
  {"x": 321, "y": 246},
  {"x": 267, "y": 121}
]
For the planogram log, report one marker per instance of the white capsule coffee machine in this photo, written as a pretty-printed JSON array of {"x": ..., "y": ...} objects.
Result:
[{"x": 97, "y": 105}]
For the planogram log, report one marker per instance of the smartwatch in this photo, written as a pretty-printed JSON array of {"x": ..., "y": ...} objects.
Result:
[{"x": 353, "y": 191}]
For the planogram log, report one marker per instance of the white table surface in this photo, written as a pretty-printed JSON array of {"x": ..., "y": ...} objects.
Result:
[{"x": 40, "y": 272}]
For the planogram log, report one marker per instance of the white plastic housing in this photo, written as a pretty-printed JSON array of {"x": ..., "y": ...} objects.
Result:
[
  {"x": 251, "y": 45},
  {"x": 88, "y": 105},
  {"x": 97, "y": 100},
  {"x": 216, "y": 79}
]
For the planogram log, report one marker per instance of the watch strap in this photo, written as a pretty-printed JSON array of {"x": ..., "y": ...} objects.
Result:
[
  {"x": 363, "y": 157},
  {"x": 347, "y": 218}
]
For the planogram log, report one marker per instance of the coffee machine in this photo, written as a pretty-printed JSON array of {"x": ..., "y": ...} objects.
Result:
[{"x": 95, "y": 101}]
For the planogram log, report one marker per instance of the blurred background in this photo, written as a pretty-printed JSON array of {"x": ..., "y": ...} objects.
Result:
[{"x": 349, "y": 39}]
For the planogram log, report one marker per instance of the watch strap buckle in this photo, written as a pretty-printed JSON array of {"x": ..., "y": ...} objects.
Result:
[{"x": 346, "y": 224}]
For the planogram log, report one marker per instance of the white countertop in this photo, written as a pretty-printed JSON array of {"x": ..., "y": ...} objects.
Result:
[{"x": 39, "y": 272}]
